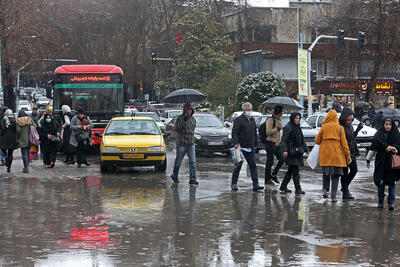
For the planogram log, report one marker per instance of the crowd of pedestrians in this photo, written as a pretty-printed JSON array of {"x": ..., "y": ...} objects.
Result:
[
  {"x": 336, "y": 141},
  {"x": 40, "y": 133}
]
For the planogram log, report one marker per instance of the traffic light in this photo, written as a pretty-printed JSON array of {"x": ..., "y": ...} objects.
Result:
[
  {"x": 313, "y": 77},
  {"x": 361, "y": 39},
  {"x": 154, "y": 58},
  {"x": 340, "y": 37}
]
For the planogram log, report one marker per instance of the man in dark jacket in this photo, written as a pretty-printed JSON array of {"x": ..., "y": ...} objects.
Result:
[
  {"x": 346, "y": 120},
  {"x": 35, "y": 115},
  {"x": 244, "y": 134},
  {"x": 184, "y": 126}
]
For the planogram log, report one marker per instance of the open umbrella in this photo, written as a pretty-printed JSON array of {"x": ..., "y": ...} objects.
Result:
[
  {"x": 362, "y": 103},
  {"x": 284, "y": 101},
  {"x": 184, "y": 96}
]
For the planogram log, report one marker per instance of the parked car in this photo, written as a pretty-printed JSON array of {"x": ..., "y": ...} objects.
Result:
[
  {"x": 24, "y": 105},
  {"x": 229, "y": 122},
  {"x": 388, "y": 112},
  {"x": 308, "y": 131},
  {"x": 210, "y": 134},
  {"x": 42, "y": 102},
  {"x": 152, "y": 115},
  {"x": 169, "y": 114},
  {"x": 364, "y": 138},
  {"x": 130, "y": 141}
]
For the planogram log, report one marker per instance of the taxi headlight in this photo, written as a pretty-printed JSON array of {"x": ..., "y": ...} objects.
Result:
[
  {"x": 197, "y": 136},
  {"x": 110, "y": 149},
  {"x": 155, "y": 148}
]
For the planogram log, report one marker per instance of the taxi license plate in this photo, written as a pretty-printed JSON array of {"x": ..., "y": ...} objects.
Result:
[
  {"x": 133, "y": 156},
  {"x": 215, "y": 143}
]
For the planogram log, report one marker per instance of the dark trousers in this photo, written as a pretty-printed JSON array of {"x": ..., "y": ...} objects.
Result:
[
  {"x": 392, "y": 193},
  {"x": 25, "y": 156},
  {"x": 293, "y": 171},
  {"x": 69, "y": 157},
  {"x": 348, "y": 176},
  {"x": 326, "y": 180},
  {"x": 49, "y": 154},
  {"x": 273, "y": 150},
  {"x": 81, "y": 152},
  {"x": 8, "y": 155},
  {"x": 251, "y": 161}
]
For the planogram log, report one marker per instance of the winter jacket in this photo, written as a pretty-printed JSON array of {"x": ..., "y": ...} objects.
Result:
[
  {"x": 22, "y": 131},
  {"x": 383, "y": 159},
  {"x": 244, "y": 132},
  {"x": 66, "y": 130},
  {"x": 35, "y": 118},
  {"x": 350, "y": 133},
  {"x": 333, "y": 144},
  {"x": 293, "y": 138},
  {"x": 185, "y": 127},
  {"x": 75, "y": 123},
  {"x": 272, "y": 131},
  {"x": 7, "y": 134},
  {"x": 47, "y": 128}
]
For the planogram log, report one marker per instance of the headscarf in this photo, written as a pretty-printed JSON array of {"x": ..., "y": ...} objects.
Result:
[
  {"x": 65, "y": 109},
  {"x": 49, "y": 127},
  {"x": 385, "y": 137},
  {"x": 8, "y": 114},
  {"x": 296, "y": 127},
  {"x": 22, "y": 113}
]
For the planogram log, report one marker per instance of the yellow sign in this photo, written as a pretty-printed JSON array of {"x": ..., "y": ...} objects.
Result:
[{"x": 302, "y": 71}]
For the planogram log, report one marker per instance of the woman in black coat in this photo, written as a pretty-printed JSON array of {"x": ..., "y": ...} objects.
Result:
[
  {"x": 50, "y": 137},
  {"x": 8, "y": 134},
  {"x": 293, "y": 147},
  {"x": 386, "y": 143}
]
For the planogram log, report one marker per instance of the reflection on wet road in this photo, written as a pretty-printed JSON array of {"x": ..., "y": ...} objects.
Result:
[{"x": 139, "y": 218}]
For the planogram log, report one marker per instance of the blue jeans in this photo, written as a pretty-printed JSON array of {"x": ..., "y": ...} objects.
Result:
[
  {"x": 180, "y": 154},
  {"x": 392, "y": 193},
  {"x": 251, "y": 160}
]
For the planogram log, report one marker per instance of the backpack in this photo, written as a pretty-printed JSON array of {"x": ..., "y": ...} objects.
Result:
[
  {"x": 262, "y": 131},
  {"x": 33, "y": 135}
]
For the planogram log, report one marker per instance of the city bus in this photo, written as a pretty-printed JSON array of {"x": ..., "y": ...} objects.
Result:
[{"x": 97, "y": 89}]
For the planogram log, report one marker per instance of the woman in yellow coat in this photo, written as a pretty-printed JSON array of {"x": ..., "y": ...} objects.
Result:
[{"x": 334, "y": 153}]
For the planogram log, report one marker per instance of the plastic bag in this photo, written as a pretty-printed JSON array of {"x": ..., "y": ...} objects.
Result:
[
  {"x": 313, "y": 158},
  {"x": 237, "y": 156}
]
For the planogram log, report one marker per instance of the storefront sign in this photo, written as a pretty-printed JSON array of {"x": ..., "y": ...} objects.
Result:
[{"x": 382, "y": 87}]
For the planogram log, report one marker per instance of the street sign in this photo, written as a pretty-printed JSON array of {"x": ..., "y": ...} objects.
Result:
[{"x": 302, "y": 72}]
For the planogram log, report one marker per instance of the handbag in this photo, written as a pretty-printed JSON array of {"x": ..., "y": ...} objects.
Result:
[
  {"x": 395, "y": 162},
  {"x": 55, "y": 139},
  {"x": 82, "y": 136},
  {"x": 296, "y": 151},
  {"x": 33, "y": 135}
]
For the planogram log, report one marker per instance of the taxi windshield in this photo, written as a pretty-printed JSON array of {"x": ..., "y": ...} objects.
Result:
[{"x": 132, "y": 127}]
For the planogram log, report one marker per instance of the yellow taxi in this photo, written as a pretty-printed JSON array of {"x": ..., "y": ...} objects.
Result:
[{"x": 132, "y": 141}]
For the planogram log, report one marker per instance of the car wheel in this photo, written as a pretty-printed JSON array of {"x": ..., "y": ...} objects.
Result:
[
  {"x": 103, "y": 168},
  {"x": 368, "y": 122},
  {"x": 162, "y": 167}
]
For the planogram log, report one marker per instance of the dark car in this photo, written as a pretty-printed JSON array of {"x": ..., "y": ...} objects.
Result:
[
  {"x": 210, "y": 134},
  {"x": 308, "y": 132},
  {"x": 389, "y": 112}
]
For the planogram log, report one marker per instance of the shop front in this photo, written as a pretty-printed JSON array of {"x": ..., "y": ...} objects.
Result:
[{"x": 383, "y": 93}]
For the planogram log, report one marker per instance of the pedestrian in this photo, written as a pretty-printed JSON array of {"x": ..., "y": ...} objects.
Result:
[
  {"x": 8, "y": 137},
  {"x": 50, "y": 138},
  {"x": 293, "y": 147},
  {"x": 40, "y": 128},
  {"x": 385, "y": 144},
  {"x": 22, "y": 138},
  {"x": 244, "y": 135},
  {"x": 81, "y": 126},
  {"x": 346, "y": 119},
  {"x": 334, "y": 153},
  {"x": 35, "y": 115},
  {"x": 66, "y": 131},
  {"x": 184, "y": 126},
  {"x": 371, "y": 111},
  {"x": 377, "y": 121},
  {"x": 336, "y": 105},
  {"x": 273, "y": 146}
]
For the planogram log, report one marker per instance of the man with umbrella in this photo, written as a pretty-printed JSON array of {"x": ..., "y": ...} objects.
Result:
[{"x": 184, "y": 126}]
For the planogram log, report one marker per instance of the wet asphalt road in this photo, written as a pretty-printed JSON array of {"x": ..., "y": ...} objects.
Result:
[{"x": 77, "y": 217}]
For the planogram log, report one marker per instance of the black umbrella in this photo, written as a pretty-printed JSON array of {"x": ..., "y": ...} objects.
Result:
[
  {"x": 184, "y": 96},
  {"x": 284, "y": 101}
]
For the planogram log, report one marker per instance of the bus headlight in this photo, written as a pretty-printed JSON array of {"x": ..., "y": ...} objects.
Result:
[
  {"x": 110, "y": 149},
  {"x": 155, "y": 148}
]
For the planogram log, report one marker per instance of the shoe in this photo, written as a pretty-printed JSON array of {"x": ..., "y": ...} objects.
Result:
[
  {"x": 8, "y": 169},
  {"x": 324, "y": 193},
  {"x": 275, "y": 179},
  {"x": 257, "y": 188},
  {"x": 52, "y": 165},
  {"x": 193, "y": 182},
  {"x": 79, "y": 165},
  {"x": 25, "y": 170},
  {"x": 70, "y": 163},
  {"x": 270, "y": 183},
  {"x": 391, "y": 207},
  {"x": 380, "y": 203},
  {"x": 176, "y": 181},
  {"x": 2, "y": 163},
  {"x": 334, "y": 199},
  {"x": 234, "y": 187},
  {"x": 285, "y": 190},
  {"x": 86, "y": 163},
  {"x": 347, "y": 194},
  {"x": 65, "y": 161},
  {"x": 300, "y": 192}
]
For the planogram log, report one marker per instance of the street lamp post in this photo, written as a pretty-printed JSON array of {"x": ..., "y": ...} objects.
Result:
[{"x": 41, "y": 59}]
